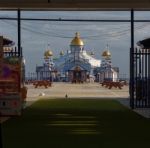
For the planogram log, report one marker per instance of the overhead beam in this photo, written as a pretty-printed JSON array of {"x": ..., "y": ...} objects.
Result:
[{"x": 76, "y": 6}]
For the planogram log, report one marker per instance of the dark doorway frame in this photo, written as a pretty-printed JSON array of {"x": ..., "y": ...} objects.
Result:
[{"x": 131, "y": 21}]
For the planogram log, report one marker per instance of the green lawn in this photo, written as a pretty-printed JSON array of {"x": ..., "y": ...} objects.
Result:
[{"x": 77, "y": 123}]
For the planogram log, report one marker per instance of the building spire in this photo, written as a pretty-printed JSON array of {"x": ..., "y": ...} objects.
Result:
[
  {"x": 107, "y": 46},
  {"x": 77, "y": 34}
]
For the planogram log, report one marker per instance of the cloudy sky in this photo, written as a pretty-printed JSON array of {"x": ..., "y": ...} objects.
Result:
[{"x": 37, "y": 35}]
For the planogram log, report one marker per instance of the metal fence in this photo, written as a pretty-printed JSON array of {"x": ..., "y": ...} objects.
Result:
[{"x": 141, "y": 81}]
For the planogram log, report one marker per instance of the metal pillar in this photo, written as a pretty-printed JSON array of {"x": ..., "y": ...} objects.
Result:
[
  {"x": 148, "y": 86},
  {"x": 19, "y": 40},
  {"x": 19, "y": 31},
  {"x": 132, "y": 61},
  {"x": 1, "y": 138}
]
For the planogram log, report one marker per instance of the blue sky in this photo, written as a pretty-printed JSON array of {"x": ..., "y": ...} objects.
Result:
[{"x": 37, "y": 35}]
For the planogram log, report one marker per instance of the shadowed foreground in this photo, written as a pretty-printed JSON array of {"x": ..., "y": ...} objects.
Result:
[{"x": 76, "y": 123}]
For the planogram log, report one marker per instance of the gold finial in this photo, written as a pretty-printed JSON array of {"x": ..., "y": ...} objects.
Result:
[{"x": 77, "y": 34}]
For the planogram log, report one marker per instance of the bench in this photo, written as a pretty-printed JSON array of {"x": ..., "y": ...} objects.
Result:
[
  {"x": 77, "y": 81},
  {"x": 110, "y": 84},
  {"x": 44, "y": 83}
]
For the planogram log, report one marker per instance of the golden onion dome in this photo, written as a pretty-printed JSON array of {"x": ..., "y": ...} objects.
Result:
[
  {"x": 106, "y": 54},
  {"x": 49, "y": 53},
  {"x": 62, "y": 53},
  {"x": 77, "y": 41}
]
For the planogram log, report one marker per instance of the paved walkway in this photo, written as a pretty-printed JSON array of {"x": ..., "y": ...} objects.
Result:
[
  {"x": 94, "y": 90},
  {"x": 87, "y": 90},
  {"x": 145, "y": 112}
]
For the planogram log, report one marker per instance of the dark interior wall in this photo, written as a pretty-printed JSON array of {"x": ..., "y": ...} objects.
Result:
[
  {"x": 54, "y": 4},
  {"x": 74, "y": 1}
]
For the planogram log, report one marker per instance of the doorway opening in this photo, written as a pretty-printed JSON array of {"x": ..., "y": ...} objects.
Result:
[{"x": 37, "y": 30}]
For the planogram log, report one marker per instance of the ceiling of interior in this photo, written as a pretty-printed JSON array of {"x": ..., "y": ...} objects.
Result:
[{"x": 75, "y": 4}]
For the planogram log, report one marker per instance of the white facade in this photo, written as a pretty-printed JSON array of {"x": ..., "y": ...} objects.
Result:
[
  {"x": 77, "y": 65},
  {"x": 77, "y": 56}
]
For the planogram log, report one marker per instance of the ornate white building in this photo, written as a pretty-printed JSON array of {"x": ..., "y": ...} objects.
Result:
[
  {"x": 77, "y": 65},
  {"x": 107, "y": 71},
  {"x": 45, "y": 72}
]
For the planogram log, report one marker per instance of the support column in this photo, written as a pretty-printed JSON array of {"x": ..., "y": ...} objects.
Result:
[
  {"x": 132, "y": 62},
  {"x": 1, "y": 50},
  {"x": 148, "y": 86},
  {"x": 19, "y": 32},
  {"x": 19, "y": 45},
  {"x": 1, "y": 62}
]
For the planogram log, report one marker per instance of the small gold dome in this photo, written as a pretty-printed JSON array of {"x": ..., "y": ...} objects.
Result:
[
  {"x": 106, "y": 54},
  {"x": 77, "y": 40},
  {"x": 49, "y": 53},
  {"x": 62, "y": 53}
]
